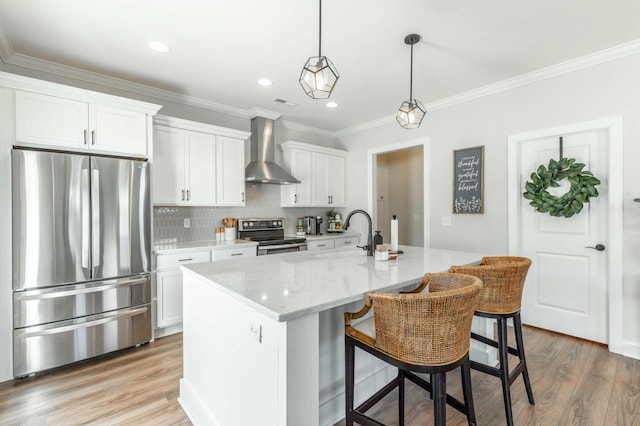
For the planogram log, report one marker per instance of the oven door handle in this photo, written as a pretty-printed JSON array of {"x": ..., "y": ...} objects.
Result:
[{"x": 281, "y": 246}]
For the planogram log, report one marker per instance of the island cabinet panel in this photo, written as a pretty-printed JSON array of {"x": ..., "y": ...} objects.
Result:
[
  {"x": 43, "y": 120},
  {"x": 264, "y": 364},
  {"x": 321, "y": 172}
]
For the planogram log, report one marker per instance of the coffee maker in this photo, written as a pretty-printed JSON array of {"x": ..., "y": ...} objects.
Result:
[{"x": 313, "y": 225}]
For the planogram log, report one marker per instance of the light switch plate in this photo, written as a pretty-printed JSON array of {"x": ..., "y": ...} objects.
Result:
[
  {"x": 446, "y": 220},
  {"x": 187, "y": 222},
  {"x": 255, "y": 331}
]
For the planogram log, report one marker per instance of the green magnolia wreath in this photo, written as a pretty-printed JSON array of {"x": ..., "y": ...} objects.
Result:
[{"x": 583, "y": 187}]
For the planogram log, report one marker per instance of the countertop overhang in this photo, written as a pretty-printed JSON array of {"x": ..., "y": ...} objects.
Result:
[{"x": 290, "y": 285}]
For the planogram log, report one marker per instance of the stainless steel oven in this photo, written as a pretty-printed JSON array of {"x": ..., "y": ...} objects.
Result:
[{"x": 269, "y": 234}]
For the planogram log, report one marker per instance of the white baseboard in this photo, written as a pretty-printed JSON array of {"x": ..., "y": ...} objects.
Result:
[
  {"x": 193, "y": 406},
  {"x": 631, "y": 349}
]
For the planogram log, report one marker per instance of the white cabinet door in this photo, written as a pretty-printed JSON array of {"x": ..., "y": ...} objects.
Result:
[
  {"x": 324, "y": 244},
  {"x": 299, "y": 164},
  {"x": 230, "y": 172},
  {"x": 168, "y": 168},
  {"x": 51, "y": 121},
  {"x": 233, "y": 253},
  {"x": 336, "y": 181},
  {"x": 200, "y": 188},
  {"x": 169, "y": 292},
  {"x": 321, "y": 180},
  {"x": 346, "y": 241},
  {"x": 116, "y": 130}
]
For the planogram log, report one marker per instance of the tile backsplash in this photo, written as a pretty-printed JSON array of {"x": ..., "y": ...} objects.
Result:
[{"x": 262, "y": 201}]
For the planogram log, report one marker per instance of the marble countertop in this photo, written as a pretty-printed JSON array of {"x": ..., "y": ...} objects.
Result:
[
  {"x": 290, "y": 285},
  {"x": 188, "y": 247}
]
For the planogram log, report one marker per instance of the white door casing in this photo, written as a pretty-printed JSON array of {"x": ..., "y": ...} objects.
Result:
[{"x": 570, "y": 288}]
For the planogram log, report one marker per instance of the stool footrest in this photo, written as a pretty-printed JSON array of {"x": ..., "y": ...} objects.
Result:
[
  {"x": 452, "y": 401},
  {"x": 491, "y": 342},
  {"x": 376, "y": 397}
]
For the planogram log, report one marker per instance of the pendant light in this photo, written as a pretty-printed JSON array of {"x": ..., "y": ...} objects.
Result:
[
  {"x": 319, "y": 76},
  {"x": 411, "y": 112}
]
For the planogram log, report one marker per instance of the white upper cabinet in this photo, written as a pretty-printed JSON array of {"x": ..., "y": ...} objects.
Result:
[
  {"x": 298, "y": 161},
  {"x": 230, "y": 171},
  {"x": 82, "y": 123},
  {"x": 196, "y": 164},
  {"x": 321, "y": 172}
]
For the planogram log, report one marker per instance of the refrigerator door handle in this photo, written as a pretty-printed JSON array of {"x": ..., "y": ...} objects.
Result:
[
  {"x": 86, "y": 232},
  {"x": 95, "y": 219},
  {"x": 26, "y": 333}
]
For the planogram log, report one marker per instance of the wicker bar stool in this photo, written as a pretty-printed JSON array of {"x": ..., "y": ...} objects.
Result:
[
  {"x": 500, "y": 299},
  {"x": 416, "y": 333}
]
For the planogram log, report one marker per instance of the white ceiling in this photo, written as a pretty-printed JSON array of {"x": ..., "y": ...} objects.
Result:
[{"x": 221, "y": 47}]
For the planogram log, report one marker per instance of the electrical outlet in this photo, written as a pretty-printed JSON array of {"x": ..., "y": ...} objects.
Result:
[
  {"x": 255, "y": 331},
  {"x": 187, "y": 222},
  {"x": 446, "y": 220}
]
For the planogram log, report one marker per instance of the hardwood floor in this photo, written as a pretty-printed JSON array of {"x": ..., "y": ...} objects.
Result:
[
  {"x": 574, "y": 382},
  {"x": 138, "y": 386}
]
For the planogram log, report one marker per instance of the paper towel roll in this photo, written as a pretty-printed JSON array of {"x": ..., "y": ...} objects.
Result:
[{"x": 394, "y": 233}]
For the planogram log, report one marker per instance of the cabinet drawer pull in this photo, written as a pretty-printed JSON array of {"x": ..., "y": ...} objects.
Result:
[
  {"x": 322, "y": 245},
  {"x": 236, "y": 254},
  {"x": 85, "y": 136},
  {"x": 185, "y": 260},
  {"x": 183, "y": 195},
  {"x": 188, "y": 195},
  {"x": 93, "y": 137}
]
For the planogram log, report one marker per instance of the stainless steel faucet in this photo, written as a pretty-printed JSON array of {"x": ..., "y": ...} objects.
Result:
[{"x": 369, "y": 246}]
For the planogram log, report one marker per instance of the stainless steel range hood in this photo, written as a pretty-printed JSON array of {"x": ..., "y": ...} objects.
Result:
[{"x": 262, "y": 168}]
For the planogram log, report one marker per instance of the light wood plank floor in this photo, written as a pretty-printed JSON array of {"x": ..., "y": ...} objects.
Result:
[{"x": 574, "y": 382}]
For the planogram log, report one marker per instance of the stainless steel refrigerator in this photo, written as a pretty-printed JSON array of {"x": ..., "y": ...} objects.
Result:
[{"x": 81, "y": 257}]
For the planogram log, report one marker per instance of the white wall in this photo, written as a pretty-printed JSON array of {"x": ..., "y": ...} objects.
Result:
[{"x": 604, "y": 90}]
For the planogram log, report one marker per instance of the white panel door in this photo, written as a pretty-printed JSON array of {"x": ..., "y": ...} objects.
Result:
[
  {"x": 566, "y": 288},
  {"x": 201, "y": 169}
]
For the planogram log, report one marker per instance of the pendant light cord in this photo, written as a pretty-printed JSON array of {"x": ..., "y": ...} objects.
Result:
[
  {"x": 411, "y": 78},
  {"x": 320, "y": 30}
]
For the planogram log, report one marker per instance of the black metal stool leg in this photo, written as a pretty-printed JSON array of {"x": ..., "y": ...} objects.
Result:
[
  {"x": 349, "y": 353},
  {"x": 503, "y": 352},
  {"x": 439, "y": 386},
  {"x": 517, "y": 327},
  {"x": 400, "y": 397},
  {"x": 465, "y": 371}
]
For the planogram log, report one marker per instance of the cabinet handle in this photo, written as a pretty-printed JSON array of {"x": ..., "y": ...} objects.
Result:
[
  {"x": 93, "y": 137},
  {"x": 295, "y": 198},
  {"x": 183, "y": 195},
  {"x": 243, "y": 197},
  {"x": 188, "y": 195},
  {"x": 321, "y": 245},
  {"x": 236, "y": 254},
  {"x": 185, "y": 260},
  {"x": 85, "y": 136}
]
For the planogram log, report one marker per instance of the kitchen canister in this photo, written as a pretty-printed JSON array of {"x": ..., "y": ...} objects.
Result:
[
  {"x": 394, "y": 233},
  {"x": 229, "y": 234}
]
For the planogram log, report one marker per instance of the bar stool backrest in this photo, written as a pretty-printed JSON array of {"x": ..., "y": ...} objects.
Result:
[
  {"x": 432, "y": 328},
  {"x": 503, "y": 279}
]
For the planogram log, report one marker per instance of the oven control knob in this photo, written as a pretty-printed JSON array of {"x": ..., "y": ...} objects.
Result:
[
  {"x": 279, "y": 223},
  {"x": 251, "y": 224},
  {"x": 275, "y": 223}
]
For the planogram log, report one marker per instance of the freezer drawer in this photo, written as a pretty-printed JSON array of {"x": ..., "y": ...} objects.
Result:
[
  {"x": 33, "y": 307},
  {"x": 52, "y": 345}
]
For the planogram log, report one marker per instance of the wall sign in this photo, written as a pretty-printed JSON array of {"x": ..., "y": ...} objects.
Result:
[{"x": 468, "y": 180}]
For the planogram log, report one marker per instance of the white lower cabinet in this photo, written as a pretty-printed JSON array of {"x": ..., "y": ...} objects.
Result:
[
  {"x": 331, "y": 243},
  {"x": 169, "y": 283}
]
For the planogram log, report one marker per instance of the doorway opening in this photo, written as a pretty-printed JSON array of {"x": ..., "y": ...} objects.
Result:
[{"x": 397, "y": 186}]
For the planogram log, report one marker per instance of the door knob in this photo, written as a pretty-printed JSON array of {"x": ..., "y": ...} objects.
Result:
[{"x": 599, "y": 247}]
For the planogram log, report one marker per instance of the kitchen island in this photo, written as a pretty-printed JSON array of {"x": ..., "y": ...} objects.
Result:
[{"x": 263, "y": 337}]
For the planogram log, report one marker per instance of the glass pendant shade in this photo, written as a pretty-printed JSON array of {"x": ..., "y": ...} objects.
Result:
[
  {"x": 410, "y": 114},
  {"x": 319, "y": 77}
]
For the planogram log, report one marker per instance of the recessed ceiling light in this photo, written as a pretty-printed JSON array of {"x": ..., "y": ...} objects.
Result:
[
  {"x": 265, "y": 82},
  {"x": 158, "y": 46},
  {"x": 331, "y": 104}
]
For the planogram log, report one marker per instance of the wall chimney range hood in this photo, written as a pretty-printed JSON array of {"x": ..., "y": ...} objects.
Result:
[{"x": 262, "y": 168}]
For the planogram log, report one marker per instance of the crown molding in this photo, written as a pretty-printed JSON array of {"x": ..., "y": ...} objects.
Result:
[
  {"x": 8, "y": 56},
  {"x": 616, "y": 52}
]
